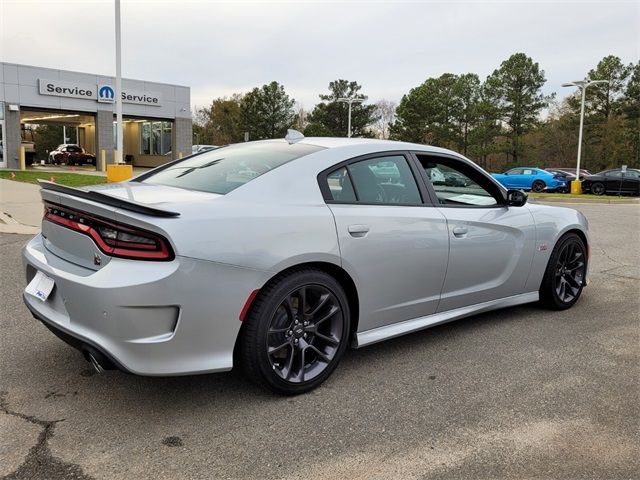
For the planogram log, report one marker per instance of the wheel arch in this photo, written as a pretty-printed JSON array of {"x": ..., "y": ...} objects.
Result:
[{"x": 337, "y": 272}]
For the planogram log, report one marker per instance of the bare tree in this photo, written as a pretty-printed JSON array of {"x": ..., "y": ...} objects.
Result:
[{"x": 385, "y": 113}]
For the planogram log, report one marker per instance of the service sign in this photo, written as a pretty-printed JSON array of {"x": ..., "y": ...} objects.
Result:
[
  {"x": 67, "y": 89},
  {"x": 103, "y": 93}
]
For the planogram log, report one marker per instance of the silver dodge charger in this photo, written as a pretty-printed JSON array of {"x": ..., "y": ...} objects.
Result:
[{"x": 277, "y": 255}]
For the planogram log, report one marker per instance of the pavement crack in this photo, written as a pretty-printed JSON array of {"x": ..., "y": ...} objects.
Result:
[{"x": 39, "y": 462}]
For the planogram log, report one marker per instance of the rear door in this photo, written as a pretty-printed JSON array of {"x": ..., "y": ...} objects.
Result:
[
  {"x": 491, "y": 244},
  {"x": 393, "y": 244}
]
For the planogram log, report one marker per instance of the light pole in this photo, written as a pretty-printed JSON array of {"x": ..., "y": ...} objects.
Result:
[
  {"x": 576, "y": 185},
  {"x": 350, "y": 101},
  {"x": 118, "y": 87}
]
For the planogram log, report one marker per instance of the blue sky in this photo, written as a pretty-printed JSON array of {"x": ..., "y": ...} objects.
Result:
[{"x": 218, "y": 48}]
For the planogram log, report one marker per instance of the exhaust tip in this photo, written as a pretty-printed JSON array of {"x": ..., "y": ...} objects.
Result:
[
  {"x": 94, "y": 363},
  {"x": 98, "y": 361}
]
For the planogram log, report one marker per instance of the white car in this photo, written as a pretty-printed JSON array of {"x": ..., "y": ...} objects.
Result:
[{"x": 278, "y": 255}]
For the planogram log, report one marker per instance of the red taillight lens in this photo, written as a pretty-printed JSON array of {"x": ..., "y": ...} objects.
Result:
[{"x": 112, "y": 238}]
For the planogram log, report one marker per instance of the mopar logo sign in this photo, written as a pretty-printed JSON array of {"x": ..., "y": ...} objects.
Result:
[{"x": 106, "y": 94}]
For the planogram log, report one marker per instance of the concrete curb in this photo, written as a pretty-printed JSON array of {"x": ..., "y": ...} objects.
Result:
[{"x": 9, "y": 225}]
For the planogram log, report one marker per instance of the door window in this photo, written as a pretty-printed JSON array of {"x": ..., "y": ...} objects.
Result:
[
  {"x": 515, "y": 171},
  {"x": 380, "y": 181},
  {"x": 456, "y": 184}
]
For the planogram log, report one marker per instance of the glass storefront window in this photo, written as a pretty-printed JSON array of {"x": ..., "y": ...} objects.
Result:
[{"x": 155, "y": 138}]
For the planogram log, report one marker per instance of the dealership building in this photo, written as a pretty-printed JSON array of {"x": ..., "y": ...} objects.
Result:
[{"x": 156, "y": 116}]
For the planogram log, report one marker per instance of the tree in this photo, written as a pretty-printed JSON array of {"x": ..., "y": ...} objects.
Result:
[
  {"x": 603, "y": 104},
  {"x": 631, "y": 110},
  {"x": 267, "y": 112},
  {"x": 330, "y": 117},
  {"x": 385, "y": 114},
  {"x": 219, "y": 124},
  {"x": 516, "y": 86}
]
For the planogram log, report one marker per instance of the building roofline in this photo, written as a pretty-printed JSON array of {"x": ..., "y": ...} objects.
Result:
[{"x": 89, "y": 73}]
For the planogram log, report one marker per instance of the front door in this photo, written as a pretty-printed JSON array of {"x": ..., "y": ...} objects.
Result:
[
  {"x": 394, "y": 246},
  {"x": 491, "y": 245}
]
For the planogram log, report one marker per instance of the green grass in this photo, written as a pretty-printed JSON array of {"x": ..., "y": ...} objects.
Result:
[
  {"x": 68, "y": 179},
  {"x": 583, "y": 196}
]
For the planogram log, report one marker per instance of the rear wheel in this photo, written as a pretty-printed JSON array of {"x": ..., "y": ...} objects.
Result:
[
  {"x": 296, "y": 332},
  {"x": 538, "y": 186},
  {"x": 565, "y": 275},
  {"x": 597, "y": 188}
]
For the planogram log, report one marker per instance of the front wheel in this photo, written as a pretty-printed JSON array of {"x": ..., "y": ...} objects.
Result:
[
  {"x": 565, "y": 275},
  {"x": 538, "y": 186},
  {"x": 597, "y": 188},
  {"x": 296, "y": 332}
]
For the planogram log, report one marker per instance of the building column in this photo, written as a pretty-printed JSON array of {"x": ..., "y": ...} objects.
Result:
[
  {"x": 14, "y": 138},
  {"x": 181, "y": 137},
  {"x": 104, "y": 135}
]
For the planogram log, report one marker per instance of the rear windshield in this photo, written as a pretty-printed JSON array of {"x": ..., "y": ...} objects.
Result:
[{"x": 227, "y": 168}]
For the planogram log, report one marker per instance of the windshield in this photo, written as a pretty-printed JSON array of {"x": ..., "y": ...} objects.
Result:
[{"x": 227, "y": 168}]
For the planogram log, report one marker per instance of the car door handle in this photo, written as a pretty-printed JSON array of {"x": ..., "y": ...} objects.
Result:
[
  {"x": 358, "y": 230},
  {"x": 460, "y": 231}
]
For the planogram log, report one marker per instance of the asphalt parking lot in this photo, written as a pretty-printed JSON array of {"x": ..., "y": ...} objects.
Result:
[{"x": 518, "y": 393}]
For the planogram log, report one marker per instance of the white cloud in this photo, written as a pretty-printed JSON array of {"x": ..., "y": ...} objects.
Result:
[{"x": 218, "y": 48}]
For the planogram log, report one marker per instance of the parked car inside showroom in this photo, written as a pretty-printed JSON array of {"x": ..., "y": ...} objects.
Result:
[
  {"x": 195, "y": 267},
  {"x": 615, "y": 181},
  {"x": 534, "y": 179},
  {"x": 70, "y": 154}
]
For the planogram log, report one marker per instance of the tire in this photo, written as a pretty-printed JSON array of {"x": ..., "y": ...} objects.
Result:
[
  {"x": 598, "y": 188},
  {"x": 538, "y": 186},
  {"x": 567, "y": 265},
  {"x": 277, "y": 341}
]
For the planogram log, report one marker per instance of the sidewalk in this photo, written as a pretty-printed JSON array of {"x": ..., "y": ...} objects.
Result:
[{"x": 20, "y": 207}]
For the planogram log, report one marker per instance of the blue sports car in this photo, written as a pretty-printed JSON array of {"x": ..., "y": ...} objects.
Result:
[{"x": 534, "y": 179}]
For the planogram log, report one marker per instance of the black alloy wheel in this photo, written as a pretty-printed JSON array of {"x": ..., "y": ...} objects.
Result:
[
  {"x": 296, "y": 331},
  {"x": 597, "y": 188},
  {"x": 305, "y": 333},
  {"x": 565, "y": 275},
  {"x": 538, "y": 186}
]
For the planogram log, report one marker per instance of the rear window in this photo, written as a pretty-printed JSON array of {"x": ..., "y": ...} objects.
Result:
[{"x": 227, "y": 168}]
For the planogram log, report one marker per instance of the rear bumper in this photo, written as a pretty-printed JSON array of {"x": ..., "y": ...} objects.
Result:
[{"x": 147, "y": 318}]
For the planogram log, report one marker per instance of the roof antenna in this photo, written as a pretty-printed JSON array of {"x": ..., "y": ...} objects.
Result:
[{"x": 293, "y": 136}]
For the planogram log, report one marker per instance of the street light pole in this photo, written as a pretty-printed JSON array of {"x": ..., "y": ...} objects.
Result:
[
  {"x": 119, "y": 130},
  {"x": 350, "y": 101},
  {"x": 576, "y": 185}
]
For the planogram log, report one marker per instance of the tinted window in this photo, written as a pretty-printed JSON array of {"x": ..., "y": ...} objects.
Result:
[
  {"x": 384, "y": 180},
  {"x": 340, "y": 186},
  {"x": 454, "y": 184},
  {"x": 613, "y": 174},
  {"x": 227, "y": 168},
  {"x": 515, "y": 171}
]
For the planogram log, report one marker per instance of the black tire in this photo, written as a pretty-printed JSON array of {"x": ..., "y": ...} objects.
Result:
[
  {"x": 598, "y": 188},
  {"x": 567, "y": 265},
  {"x": 538, "y": 186},
  {"x": 270, "y": 321}
]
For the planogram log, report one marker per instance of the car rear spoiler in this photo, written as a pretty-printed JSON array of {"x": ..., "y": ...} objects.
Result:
[{"x": 107, "y": 200}]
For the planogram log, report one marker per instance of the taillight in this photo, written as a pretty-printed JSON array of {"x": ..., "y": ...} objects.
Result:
[{"x": 114, "y": 239}]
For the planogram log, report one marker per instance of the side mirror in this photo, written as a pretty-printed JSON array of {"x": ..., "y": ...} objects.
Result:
[{"x": 516, "y": 198}]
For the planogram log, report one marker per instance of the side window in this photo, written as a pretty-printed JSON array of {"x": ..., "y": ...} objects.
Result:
[
  {"x": 614, "y": 174},
  {"x": 457, "y": 184},
  {"x": 381, "y": 180},
  {"x": 340, "y": 186},
  {"x": 515, "y": 171},
  {"x": 528, "y": 171}
]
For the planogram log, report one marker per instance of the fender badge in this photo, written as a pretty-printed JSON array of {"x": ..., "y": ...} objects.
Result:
[
  {"x": 97, "y": 260},
  {"x": 542, "y": 247}
]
